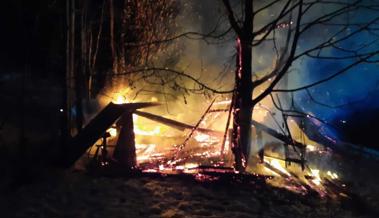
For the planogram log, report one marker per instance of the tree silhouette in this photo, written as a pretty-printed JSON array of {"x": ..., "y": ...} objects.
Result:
[{"x": 100, "y": 38}]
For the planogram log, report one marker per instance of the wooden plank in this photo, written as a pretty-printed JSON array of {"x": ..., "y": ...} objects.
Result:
[{"x": 175, "y": 124}]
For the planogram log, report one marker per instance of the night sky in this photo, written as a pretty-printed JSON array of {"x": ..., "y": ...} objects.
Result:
[{"x": 32, "y": 33}]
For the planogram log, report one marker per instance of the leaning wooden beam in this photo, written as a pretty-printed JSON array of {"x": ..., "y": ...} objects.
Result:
[
  {"x": 175, "y": 124},
  {"x": 183, "y": 126},
  {"x": 79, "y": 144},
  {"x": 280, "y": 173},
  {"x": 194, "y": 129}
]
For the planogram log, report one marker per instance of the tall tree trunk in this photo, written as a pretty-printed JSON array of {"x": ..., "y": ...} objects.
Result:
[
  {"x": 67, "y": 95},
  {"x": 85, "y": 42},
  {"x": 75, "y": 70},
  {"x": 65, "y": 112},
  {"x": 112, "y": 38},
  {"x": 243, "y": 109},
  {"x": 242, "y": 106},
  {"x": 124, "y": 18}
]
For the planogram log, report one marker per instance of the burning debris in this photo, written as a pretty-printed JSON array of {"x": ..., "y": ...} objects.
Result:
[{"x": 202, "y": 152}]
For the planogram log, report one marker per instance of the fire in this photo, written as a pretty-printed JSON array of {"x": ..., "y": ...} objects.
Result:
[
  {"x": 316, "y": 176},
  {"x": 187, "y": 167},
  {"x": 145, "y": 151},
  {"x": 120, "y": 99},
  {"x": 155, "y": 131},
  {"x": 138, "y": 127},
  {"x": 226, "y": 102},
  {"x": 311, "y": 148},
  {"x": 205, "y": 150},
  {"x": 154, "y": 99},
  {"x": 202, "y": 137},
  {"x": 294, "y": 179},
  {"x": 141, "y": 129},
  {"x": 112, "y": 131},
  {"x": 191, "y": 165},
  {"x": 332, "y": 175},
  {"x": 276, "y": 164}
]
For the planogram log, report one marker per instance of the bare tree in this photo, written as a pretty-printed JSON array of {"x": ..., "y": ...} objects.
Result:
[
  {"x": 282, "y": 25},
  {"x": 296, "y": 17}
]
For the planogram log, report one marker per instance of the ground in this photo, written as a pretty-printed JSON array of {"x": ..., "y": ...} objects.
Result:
[{"x": 75, "y": 194}]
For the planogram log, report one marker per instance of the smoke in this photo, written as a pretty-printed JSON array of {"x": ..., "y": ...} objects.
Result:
[{"x": 212, "y": 62}]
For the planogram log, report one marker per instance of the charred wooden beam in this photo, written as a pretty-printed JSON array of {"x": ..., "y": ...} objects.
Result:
[{"x": 175, "y": 124}]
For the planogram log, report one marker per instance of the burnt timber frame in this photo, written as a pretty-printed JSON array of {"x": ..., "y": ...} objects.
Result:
[{"x": 124, "y": 152}]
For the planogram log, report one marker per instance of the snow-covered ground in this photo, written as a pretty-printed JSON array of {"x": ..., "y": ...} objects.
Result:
[{"x": 75, "y": 194}]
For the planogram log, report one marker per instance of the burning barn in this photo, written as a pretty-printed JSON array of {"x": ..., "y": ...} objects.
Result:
[{"x": 123, "y": 139}]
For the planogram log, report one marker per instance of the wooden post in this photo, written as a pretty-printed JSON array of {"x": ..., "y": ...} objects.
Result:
[{"x": 125, "y": 151}]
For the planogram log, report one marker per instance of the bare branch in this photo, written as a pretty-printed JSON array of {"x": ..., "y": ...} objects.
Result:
[
  {"x": 330, "y": 42},
  {"x": 155, "y": 70},
  {"x": 361, "y": 60},
  {"x": 289, "y": 62},
  {"x": 267, "y": 29},
  {"x": 232, "y": 19}
]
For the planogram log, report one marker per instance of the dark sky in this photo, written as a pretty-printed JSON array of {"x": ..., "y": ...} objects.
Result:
[{"x": 30, "y": 30}]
